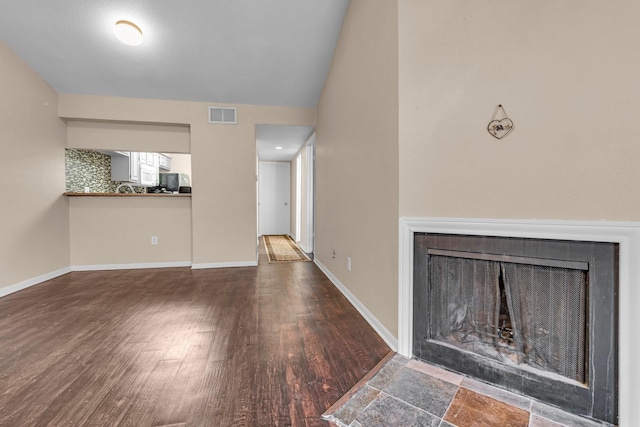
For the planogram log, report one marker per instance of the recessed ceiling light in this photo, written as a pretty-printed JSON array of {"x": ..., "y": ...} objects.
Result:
[
  {"x": 128, "y": 32},
  {"x": 278, "y": 148}
]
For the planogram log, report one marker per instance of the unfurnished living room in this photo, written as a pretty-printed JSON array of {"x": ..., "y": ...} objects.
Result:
[{"x": 454, "y": 185}]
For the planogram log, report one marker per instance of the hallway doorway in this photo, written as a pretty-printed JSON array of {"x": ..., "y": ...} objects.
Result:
[
  {"x": 284, "y": 164},
  {"x": 274, "y": 183}
]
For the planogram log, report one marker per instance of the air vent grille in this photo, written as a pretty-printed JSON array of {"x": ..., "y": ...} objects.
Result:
[{"x": 222, "y": 115}]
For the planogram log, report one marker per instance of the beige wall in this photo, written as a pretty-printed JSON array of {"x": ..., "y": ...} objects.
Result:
[
  {"x": 118, "y": 230},
  {"x": 222, "y": 160},
  {"x": 180, "y": 163},
  {"x": 357, "y": 159},
  {"x": 567, "y": 75},
  {"x": 116, "y": 136},
  {"x": 34, "y": 225}
]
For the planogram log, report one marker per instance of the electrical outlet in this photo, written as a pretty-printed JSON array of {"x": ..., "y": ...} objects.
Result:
[
  {"x": 154, "y": 240},
  {"x": 348, "y": 263}
]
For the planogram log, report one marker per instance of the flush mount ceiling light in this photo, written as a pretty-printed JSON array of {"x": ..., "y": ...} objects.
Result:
[
  {"x": 128, "y": 33},
  {"x": 278, "y": 148}
]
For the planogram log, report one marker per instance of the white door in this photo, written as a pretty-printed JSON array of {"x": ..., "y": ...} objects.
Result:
[{"x": 275, "y": 193}]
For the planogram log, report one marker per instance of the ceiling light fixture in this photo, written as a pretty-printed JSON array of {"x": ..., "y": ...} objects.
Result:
[
  {"x": 278, "y": 148},
  {"x": 128, "y": 33}
]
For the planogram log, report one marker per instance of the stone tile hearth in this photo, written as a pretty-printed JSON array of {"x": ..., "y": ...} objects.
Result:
[{"x": 412, "y": 393}]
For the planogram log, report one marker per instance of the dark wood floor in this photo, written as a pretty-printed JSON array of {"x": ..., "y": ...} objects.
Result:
[{"x": 274, "y": 345}]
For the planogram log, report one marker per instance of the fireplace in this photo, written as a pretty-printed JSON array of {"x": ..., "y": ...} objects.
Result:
[
  {"x": 624, "y": 235},
  {"x": 535, "y": 316}
]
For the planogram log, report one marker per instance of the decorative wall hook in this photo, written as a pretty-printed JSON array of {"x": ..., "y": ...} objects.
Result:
[{"x": 500, "y": 126}]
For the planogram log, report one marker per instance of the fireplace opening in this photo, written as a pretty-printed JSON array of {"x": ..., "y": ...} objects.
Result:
[
  {"x": 519, "y": 313},
  {"x": 534, "y": 316}
]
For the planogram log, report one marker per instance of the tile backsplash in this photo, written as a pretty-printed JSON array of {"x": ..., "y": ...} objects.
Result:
[{"x": 89, "y": 168}]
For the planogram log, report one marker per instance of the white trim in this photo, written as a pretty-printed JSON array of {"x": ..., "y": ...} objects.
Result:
[
  {"x": 370, "y": 318},
  {"x": 298, "y": 196},
  {"x": 33, "y": 281},
  {"x": 303, "y": 247},
  {"x": 224, "y": 265},
  {"x": 626, "y": 234},
  {"x": 311, "y": 149},
  {"x": 133, "y": 266}
]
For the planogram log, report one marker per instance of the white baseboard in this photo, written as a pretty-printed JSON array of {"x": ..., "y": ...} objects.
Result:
[
  {"x": 224, "y": 265},
  {"x": 368, "y": 316},
  {"x": 33, "y": 281},
  {"x": 133, "y": 266}
]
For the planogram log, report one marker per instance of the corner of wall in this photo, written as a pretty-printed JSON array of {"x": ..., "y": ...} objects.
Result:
[{"x": 35, "y": 223}]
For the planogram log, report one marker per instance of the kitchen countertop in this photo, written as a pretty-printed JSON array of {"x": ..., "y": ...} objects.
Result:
[{"x": 127, "y": 194}]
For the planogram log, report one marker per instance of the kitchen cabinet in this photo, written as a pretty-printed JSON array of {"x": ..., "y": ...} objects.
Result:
[
  {"x": 148, "y": 159},
  {"x": 149, "y": 171},
  {"x": 125, "y": 167},
  {"x": 156, "y": 167},
  {"x": 164, "y": 162},
  {"x": 148, "y": 177},
  {"x": 135, "y": 168}
]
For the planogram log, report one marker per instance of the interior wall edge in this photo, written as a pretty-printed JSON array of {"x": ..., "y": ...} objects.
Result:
[
  {"x": 7, "y": 290},
  {"x": 384, "y": 333}
]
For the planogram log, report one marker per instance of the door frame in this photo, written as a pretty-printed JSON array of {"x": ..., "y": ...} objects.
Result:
[{"x": 259, "y": 190}]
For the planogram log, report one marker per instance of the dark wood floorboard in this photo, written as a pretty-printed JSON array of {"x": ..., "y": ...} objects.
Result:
[{"x": 274, "y": 345}]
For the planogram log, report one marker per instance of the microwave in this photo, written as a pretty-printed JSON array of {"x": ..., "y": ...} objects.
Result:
[{"x": 173, "y": 181}]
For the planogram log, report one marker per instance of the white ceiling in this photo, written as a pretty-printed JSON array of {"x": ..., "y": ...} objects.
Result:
[{"x": 262, "y": 52}]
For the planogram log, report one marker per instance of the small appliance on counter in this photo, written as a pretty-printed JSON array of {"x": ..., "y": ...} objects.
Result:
[
  {"x": 158, "y": 190},
  {"x": 173, "y": 181},
  {"x": 184, "y": 189}
]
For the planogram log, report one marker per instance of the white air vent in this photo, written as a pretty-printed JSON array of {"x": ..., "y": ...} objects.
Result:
[{"x": 222, "y": 115}]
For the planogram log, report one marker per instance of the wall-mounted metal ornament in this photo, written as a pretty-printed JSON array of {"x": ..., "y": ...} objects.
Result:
[{"x": 501, "y": 125}]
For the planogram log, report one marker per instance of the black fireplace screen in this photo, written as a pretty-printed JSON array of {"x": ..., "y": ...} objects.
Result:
[
  {"x": 515, "y": 313},
  {"x": 534, "y": 316}
]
